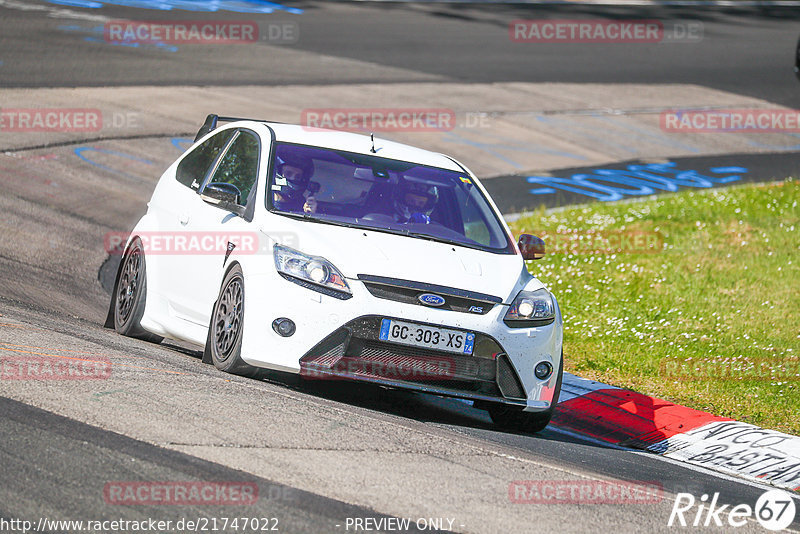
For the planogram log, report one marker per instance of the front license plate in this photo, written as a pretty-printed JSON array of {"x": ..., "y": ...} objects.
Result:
[{"x": 431, "y": 337}]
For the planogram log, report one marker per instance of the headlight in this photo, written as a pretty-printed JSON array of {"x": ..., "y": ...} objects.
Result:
[
  {"x": 531, "y": 308},
  {"x": 310, "y": 271}
]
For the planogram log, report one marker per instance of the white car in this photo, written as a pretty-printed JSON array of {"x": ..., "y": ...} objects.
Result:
[{"x": 339, "y": 256}]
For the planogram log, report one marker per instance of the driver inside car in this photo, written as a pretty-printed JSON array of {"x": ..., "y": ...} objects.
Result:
[
  {"x": 291, "y": 184},
  {"x": 414, "y": 202}
]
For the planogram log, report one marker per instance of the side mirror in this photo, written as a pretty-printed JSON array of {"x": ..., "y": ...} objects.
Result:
[
  {"x": 224, "y": 196},
  {"x": 531, "y": 247}
]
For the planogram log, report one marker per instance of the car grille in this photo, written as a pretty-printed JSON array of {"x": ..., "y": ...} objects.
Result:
[
  {"x": 354, "y": 351},
  {"x": 408, "y": 291}
]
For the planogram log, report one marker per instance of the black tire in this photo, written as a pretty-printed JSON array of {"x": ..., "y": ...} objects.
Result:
[
  {"x": 224, "y": 342},
  {"x": 510, "y": 418},
  {"x": 130, "y": 294}
]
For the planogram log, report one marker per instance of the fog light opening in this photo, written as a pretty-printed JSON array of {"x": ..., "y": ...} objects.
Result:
[
  {"x": 283, "y": 326},
  {"x": 543, "y": 370}
]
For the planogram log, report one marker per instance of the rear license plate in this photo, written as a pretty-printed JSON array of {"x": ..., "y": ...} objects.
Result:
[{"x": 431, "y": 337}]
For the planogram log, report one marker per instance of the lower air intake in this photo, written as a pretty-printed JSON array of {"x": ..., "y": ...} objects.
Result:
[{"x": 507, "y": 379}]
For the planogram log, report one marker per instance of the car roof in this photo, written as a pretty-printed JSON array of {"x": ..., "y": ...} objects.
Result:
[{"x": 358, "y": 143}]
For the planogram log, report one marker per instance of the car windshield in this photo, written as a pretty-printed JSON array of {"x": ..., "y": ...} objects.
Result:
[{"x": 340, "y": 187}]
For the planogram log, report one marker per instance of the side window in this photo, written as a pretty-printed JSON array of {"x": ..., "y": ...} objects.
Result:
[
  {"x": 239, "y": 165},
  {"x": 193, "y": 168}
]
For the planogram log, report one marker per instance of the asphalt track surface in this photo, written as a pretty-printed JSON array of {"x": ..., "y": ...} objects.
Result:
[
  {"x": 748, "y": 50},
  {"x": 319, "y": 453}
]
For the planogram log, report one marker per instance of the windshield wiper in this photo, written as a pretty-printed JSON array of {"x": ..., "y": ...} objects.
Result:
[
  {"x": 419, "y": 235},
  {"x": 429, "y": 237},
  {"x": 308, "y": 217}
]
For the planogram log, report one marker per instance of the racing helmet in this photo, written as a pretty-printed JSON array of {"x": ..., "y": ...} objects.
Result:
[
  {"x": 292, "y": 177},
  {"x": 414, "y": 201}
]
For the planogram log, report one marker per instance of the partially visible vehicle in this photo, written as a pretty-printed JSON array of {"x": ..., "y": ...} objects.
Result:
[{"x": 797, "y": 60}]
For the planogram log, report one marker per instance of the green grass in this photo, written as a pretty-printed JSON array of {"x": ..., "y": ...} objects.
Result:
[{"x": 709, "y": 319}]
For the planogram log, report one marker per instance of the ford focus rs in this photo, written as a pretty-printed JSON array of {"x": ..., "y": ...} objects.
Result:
[{"x": 338, "y": 256}]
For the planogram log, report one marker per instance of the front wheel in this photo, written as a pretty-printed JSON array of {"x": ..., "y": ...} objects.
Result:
[
  {"x": 224, "y": 342},
  {"x": 510, "y": 418},
  {"x": 130, "y": 294}
]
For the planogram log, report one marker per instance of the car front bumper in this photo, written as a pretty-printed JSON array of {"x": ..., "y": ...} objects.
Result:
[{"x": 338, "y": 339}]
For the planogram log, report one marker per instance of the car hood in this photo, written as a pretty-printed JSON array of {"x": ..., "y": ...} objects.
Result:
[{"x": 357, "y": 251}]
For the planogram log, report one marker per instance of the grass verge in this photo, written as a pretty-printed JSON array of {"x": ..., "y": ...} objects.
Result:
[{"x": 693, "y": 297}]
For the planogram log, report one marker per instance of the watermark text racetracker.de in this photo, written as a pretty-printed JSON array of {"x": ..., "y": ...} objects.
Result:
[
  {"x": 208, "y": 32},
  {"x": 730, "y": 368},
  {"x": 608, "y": 31},
  {"x": 602, "y": 241},
  {"x": 188, "y": 242},
  {"x": 18, "y": 367},
  {"x": 417, "y": 369},
  {"x": 50, "y": 120},
  {"x": 393, "y": 119},
  {"x": 180, "y": 493},
  {"x": 199, "y": 242},
  {"x": 584, "y": 492},
  {"x": 380, "y": 119},
  {"x": 753, "y": 120},
  {"x": 39, "y": 120}
]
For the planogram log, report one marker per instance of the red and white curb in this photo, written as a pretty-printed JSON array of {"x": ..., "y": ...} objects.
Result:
[{"x": 630, "y": 419}]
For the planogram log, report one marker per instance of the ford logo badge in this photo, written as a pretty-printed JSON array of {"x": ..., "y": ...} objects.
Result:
[{"x": 429, "y": 299}]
